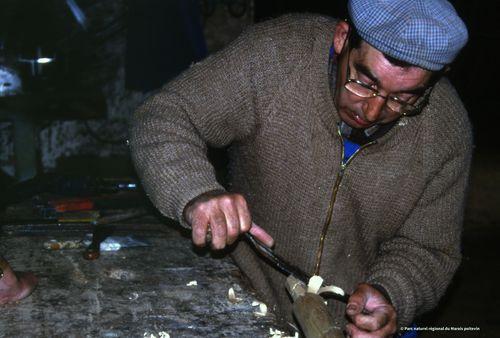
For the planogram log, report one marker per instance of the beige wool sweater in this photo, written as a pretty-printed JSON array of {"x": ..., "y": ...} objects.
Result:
[{"x": 397, "y": 215}]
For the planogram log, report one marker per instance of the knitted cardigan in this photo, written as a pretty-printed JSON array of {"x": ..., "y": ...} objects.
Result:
[{"x": 397, "y": 215}]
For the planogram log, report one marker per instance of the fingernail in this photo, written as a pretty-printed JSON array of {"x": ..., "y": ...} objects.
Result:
[{"x": 352, "y": 307}]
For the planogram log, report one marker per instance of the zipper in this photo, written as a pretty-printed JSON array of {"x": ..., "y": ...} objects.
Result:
[{"x": 335, "y": 189}]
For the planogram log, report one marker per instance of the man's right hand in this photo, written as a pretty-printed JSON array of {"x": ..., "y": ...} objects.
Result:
[{"x": 226, "y": 215}]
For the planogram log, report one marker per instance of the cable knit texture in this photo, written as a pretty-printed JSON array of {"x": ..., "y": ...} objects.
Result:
[{"x": 398, "y": 213}]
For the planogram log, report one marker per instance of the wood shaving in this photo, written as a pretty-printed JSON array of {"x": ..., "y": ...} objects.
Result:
[
  {"x": 161, "y": 334},
  {"x": 314, "y": 285},
  {"x": 332, "y": 289},
  {"x": 231, "y": 295},
  {"x": 262, "y": 309},
  {"x": 54, "y": 244},
  {"x": 274, "y": 333}
]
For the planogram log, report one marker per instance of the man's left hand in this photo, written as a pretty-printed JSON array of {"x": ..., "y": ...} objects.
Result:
[{"x": 370, "y": 313}]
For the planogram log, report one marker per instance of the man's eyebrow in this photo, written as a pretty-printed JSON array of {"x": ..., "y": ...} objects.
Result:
[{"x": 361, "y": 68}]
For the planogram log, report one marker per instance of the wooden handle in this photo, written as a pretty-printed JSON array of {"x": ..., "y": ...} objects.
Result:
[{"x": 314, "y": 318}]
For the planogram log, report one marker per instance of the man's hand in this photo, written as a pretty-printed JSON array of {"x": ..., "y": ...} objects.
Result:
[
  {"x": 226, "y": 215},
  {"x": 370, "y": 313}
]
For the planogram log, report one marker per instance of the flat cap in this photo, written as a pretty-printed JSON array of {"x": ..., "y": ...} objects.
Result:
[{"x": 425, "y": 33}]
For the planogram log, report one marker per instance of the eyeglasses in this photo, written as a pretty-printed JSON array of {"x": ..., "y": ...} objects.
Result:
[{"x": 394, "y": 103}]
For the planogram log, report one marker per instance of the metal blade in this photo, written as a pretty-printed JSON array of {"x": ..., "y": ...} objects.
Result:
[{"x": 278, "y": 262}]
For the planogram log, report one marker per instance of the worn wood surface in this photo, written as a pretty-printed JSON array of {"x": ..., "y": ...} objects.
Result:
[
  {"x": 134, "y": 292},
  {"x": 314, "y": 318}
]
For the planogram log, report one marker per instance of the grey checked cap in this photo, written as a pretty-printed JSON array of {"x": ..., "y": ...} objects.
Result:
[{"x": 425, "y": 33}]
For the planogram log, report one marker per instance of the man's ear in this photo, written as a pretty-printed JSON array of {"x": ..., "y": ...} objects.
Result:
[{"x": 340, "y": 36}]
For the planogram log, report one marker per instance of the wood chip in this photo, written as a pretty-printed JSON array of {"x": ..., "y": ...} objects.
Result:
[
  {"x": 275, "y": 333},
  {"x": 314, "y": 285},
  {"x": 332, "y": 289},
  {"x": 262, "y": 310},
  {"x": 231, "y": 295}
]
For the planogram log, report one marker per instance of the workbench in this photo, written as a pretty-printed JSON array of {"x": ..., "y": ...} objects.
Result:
[{"x": 133, "y": 292}]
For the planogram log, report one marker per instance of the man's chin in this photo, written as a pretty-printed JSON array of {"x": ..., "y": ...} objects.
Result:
[{"x": 355, "y": 121}]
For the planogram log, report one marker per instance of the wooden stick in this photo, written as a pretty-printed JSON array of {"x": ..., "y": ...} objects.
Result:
[{"x": 311, "y": 312}]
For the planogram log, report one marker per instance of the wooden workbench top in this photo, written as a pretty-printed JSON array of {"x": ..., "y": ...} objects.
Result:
[{"x": 133, "y": 292}]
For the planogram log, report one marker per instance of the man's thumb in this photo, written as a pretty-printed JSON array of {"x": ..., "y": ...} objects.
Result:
[
  {"x": 356, "y": 302},
  {"x": 262, "y": 235}
]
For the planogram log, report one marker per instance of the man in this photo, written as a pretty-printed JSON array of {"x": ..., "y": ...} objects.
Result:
[
  {"x": 348, "y": 151},
  {"x": 14, "y": 286}
]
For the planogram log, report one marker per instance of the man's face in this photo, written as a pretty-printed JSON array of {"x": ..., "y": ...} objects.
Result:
[{"x": 370, "y": 66}]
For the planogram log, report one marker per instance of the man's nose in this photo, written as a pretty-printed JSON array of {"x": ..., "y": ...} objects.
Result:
[{"x": 373, "y": 108}]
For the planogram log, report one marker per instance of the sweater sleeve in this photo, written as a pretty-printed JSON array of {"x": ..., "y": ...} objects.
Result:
[
  {"x": 416, "y": 265},
  {"x": 217, "y": 102},
  {"x": 212, "y": 103}
]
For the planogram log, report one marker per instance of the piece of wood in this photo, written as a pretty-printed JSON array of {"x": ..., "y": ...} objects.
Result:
[{"x": 314, "y": 318}]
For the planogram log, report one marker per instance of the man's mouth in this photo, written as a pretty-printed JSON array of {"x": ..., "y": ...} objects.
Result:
[
  {"x": 355, "y": 120},
  {"x": 359, "y": 120}
]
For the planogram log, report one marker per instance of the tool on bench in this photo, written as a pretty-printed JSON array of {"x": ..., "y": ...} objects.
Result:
[
  {"x": 71, "y": 204},
  {"x": 99, "y": 234},
  {"x": 88, "y": 216},
  {"x": 102, "y": 230}
]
